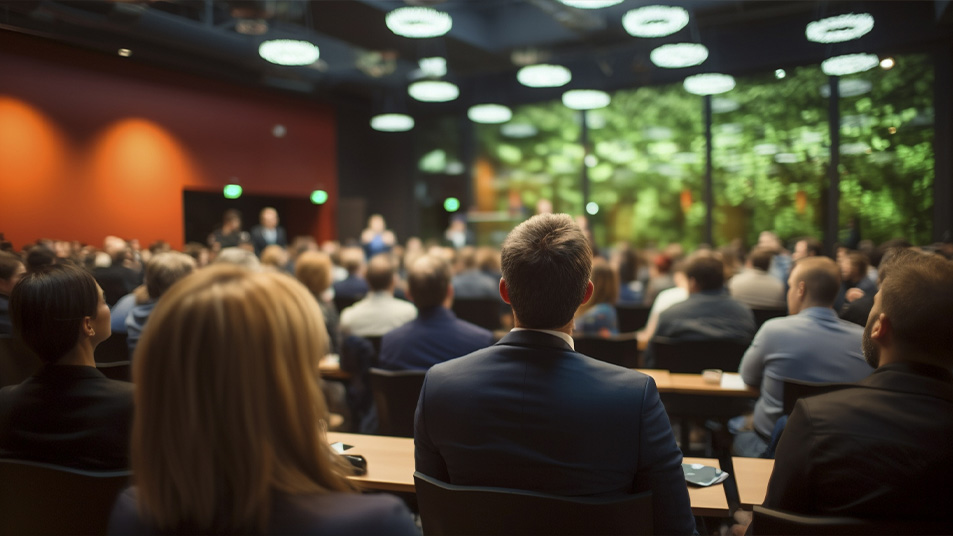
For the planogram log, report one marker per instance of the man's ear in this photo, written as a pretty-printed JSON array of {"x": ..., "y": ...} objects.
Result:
[
  {"x": 589, "y": 290},
  {"x": 801, "y": 288},
  {"x": 503, "y": 292},
  {"x": 882, "y": 330}
]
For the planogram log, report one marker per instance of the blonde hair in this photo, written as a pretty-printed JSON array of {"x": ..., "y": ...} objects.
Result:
[
  {"x": 313, "y": 269},
  {"x": 227, "y": 406}
]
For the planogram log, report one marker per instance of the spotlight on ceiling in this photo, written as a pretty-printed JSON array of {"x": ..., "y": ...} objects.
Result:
[
  {"x": 418, "y": 22},
  {"x": 489, "y": 113},
  {"x": 849, "y": 64},
  {"x": 289, "y": 52},
  {"x": 586, "y": 99},
  {"x": 544, "y": 75},
  {"x": 433, "y": 91},
  {"x": 840, "y": 28},
  {"x": 655, "y": 21},
  {"x": 679, "y": 55},
  {"x": 590, "y": 4},
  {"x": 392, "y": 122},
  {"x": 709, "y": 84}
]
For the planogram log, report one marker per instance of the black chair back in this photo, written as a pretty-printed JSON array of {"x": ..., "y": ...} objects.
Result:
[
  {"x": 622, "y": 350},
  {"x": 113, "y": 349},
  {"x": 39, "y": 498},
  {"x": 632, "y": 317},
  {"x": 794, "y": 390},
  {"x": 692, "y": 357},
  {"x": 117, "y": 370},
  {"x": 447, "y": 509},
  {"x": 770, "y": 521},
  {"x": 763, "y": 315},
  {"x": 395, "y": 395},
  {"x": 17, "y": 362},
  {"x": 484, "y": 312}
]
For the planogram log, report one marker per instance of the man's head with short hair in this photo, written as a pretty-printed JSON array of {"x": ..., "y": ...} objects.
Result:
[
  {"x": 854, "y": 266},
  {"x": 546, "y": 263},
  {"x": 705, "y": 272},
  {"x": 806, "y": 247},
  {"x": 428, "y": 282},
  {"x": 164, "y": 269},
  {"x": 352, "y": 260},
  {"x": 231, "y": 220},
  {"x": 380, "y": 273},
  {"x": 760, "y": 258},
  {"x": 268, "y": 218},
  {"x": 11, "y": 270},
  {"x": 912, "y": 316},
  {"x": 814, "y": 282}
]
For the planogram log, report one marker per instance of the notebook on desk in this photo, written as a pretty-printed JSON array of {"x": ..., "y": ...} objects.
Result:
[{"x": 703, "y": 475}]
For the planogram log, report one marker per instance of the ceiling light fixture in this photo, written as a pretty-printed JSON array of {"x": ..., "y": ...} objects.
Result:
[
  {"x": 840, "y": 28},
  {"x": 518, "y": 130},
  {"x": 780, "y": 73},
  {"x": 288, "y": 52},
  {"x": 590, "y": 4},
  {"x": 392, "y": 122},
  {"x": 586, "y": 99},
  {"x": 418, "y": 22},
  {"x": 434, "y": 67},
  {"x": 125, "y": 52},
  {"x": 489, "y": 113},
  {"x": 887, "y": 63},
  {"x": 433, "y": 91},
  {"x": 679, "y": 55},
  {"x": 849, "y": 64},
  {"x": 655, "y": 21},
  {"x": 544, "y": 75},
  {"x": 709, "y": 84}
]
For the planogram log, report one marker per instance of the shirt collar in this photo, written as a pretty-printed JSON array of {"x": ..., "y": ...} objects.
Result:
[{"x": 564, "y": 336}]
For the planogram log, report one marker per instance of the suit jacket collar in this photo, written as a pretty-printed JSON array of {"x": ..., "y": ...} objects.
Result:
[
  {"x": 913, "y": 378},
  {"x": 534, "y": 339}
]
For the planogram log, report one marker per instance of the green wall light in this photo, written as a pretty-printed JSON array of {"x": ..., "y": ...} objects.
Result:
[
  {"x": 232, "y": 191},
  {"x": 451, "y": 204},
  {"x": 319, "y": 197}
]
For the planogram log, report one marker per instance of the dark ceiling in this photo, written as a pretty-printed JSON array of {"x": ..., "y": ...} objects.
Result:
[{"x": 361, "y": 60}]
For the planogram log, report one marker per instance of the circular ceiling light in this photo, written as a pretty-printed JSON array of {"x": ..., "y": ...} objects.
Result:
[
  {"x": 586, "y": 99},
  {"x": 849, "y": 64},
  {"x": 590, "y": 4},
  {"x": 840, "y": 28},
  {"x": 433, "y": 91},
  {"x": 679, "y": 55},
  {"x": 489, "y": 113},
  {"x": 418, "y": 22},
  {"x": 544, "y": 75},
  {"x": 709, "y": 83},
  {"x": 392, "y": 122},
  {"x": 289, "y": 52},
  {"x": 655, "y": 21}
]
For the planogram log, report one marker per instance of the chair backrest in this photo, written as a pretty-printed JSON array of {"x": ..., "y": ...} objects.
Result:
[
  {"x": 692, "y": 357},
  {"x": 763, "y": 315},
  {"x": 462, "y": 510},
  {"x": 113, "y": 349},
  {"x": 794, "y": 390},
  {"x": 632, "y": 317},
  {"x": 770, "y": 521},
  {"x": 117, "y": 370},
  {"x": 395, "y": 395},
  {"x": 39, "y": 498},
  {"x": 622, "y": 350},
  {"x": 17, "y": 362},
  {"x": 484, "y": 312}
]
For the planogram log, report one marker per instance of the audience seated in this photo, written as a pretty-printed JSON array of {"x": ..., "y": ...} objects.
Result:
[
  {"x": 756, "y": 288},
  {"x": 313, "y": 270},
  {"x": 812, "y": 344},
  {"x": 436, "y": 335},
  {"x": 238, "y": 256},
  {"x": 854, "y": 280},
  {"x": 660, "y": 277},
  {"x": 806, "y": 247},
  {"x": 597, "y": 317},
  {"x": 247, "y": 454},
  {"x": 881, "y": 448},
  {"x": 39, "y": 256},
  {"x": 666, "y": 299},
  {"x": 162, "y": 271},
  {"x": 11, "y": 270},
  {"x": 631, "y": 286},
  {"x": 67, "y": 413},
  {"x": 380, "y": 311},
  {"x": 116, "y": 279},
  {"x": 471, "y": 282},
  {"x": 354, "y": 286},
  {"x": 530, "y": 413}
]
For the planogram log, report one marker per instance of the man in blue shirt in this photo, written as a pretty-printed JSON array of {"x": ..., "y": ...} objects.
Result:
[{"x": 812, "y": 344}]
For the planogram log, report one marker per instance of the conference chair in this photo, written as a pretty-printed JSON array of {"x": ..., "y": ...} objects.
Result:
[
  {"x": 446, "y": 509},
  {"x": 769, "y": 521},
  {"x": 632, "y": 317},
  {"x": 484, "y": 312},
  {"x": 622, "y": 349},
  {"x": 395, "y": 395},
  {"x": 763, "y": 315},
  {"x": 17, "y": 362},
  {"x": 40, "y": 498},
  {"x": 117, "y": 370},
  {"x": 113, "y": 349},
  {"x": 692, "y": 357}
]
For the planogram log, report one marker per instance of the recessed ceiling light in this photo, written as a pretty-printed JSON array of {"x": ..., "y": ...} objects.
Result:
[
  {"x": 433, "y": 91},
  {"x": 418, "y": 22},
  {"x": 125, "y": 52},
  {"x": 544, "y": 75},
  {"x": 709, "y": 83},
  {"x": 392, "y": 122},
  {"x": 590, "y": 4},
  {"x": 489, "y": 113},
  {"x": 840, "y": 28},
  {"x": 586, "y": 99},
  {"x": 679, "y": 55},
  {"x": 849, "y": 64},
  {"x": 887, "y": 63},
  {"x": 289, "y": 52},
  {"x": 655, "y": 21}
]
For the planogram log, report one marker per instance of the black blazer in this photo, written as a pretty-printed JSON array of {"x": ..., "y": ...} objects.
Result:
[{"x": 258, "y": 238}]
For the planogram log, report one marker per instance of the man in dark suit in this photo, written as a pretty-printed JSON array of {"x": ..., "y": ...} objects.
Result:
[
  {"x": 268, "y": 232},
  {"x": 531, "y": 413},
  {"x": 436, "y": 335},
  {"x": 881, "y": 448}
]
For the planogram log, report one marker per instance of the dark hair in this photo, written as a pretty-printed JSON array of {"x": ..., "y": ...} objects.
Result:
[
  {"x": 546, "y": 264},
  {"x": 380, "y": 272},
  {"x": 917, "y": 297},
  {"x": 812, "y": 245},
  {"x": 858, "y": 264},
  {"x": 821, "y": 279},
  {"x": 629, "y": 266},
  {"x": 38, "y": 257},
  {"x": 47, "y": 308},
  {"x": 8, "y": 264},
  {"x": 428, "y": 281},
  {"x": 707, "y": 270},
  {"x": 761, "y": 258},
  {"x": 232, "y": 215}
]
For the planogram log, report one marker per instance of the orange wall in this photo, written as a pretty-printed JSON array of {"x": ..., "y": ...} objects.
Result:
[{"x": 92, "y": 145}]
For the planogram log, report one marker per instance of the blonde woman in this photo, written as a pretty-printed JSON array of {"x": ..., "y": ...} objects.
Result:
[
  {"x": 597, "y": 317},
  {"x": 228, "y": 434}
]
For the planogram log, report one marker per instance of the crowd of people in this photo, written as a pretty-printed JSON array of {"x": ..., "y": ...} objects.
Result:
[{"x": 224, "y": 421}]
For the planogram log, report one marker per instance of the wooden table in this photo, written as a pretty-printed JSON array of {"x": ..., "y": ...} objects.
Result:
[
  {"x": 330, "y": 368},
  {"x": 390, "y": 467}
]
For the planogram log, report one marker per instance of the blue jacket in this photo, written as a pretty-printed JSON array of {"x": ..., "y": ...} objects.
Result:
[{"x": 435, "y": 336}]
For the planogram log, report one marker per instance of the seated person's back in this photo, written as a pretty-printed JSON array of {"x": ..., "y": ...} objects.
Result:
[
  {"x": 379, "y": 312},
  {"x": 68, "y": 413}
]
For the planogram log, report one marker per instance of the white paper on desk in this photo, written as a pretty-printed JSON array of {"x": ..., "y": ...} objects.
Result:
[{"x": 731, "y": 380}]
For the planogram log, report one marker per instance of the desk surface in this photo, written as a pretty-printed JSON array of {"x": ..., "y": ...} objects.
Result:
[{"x": 390, "y": 467}]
